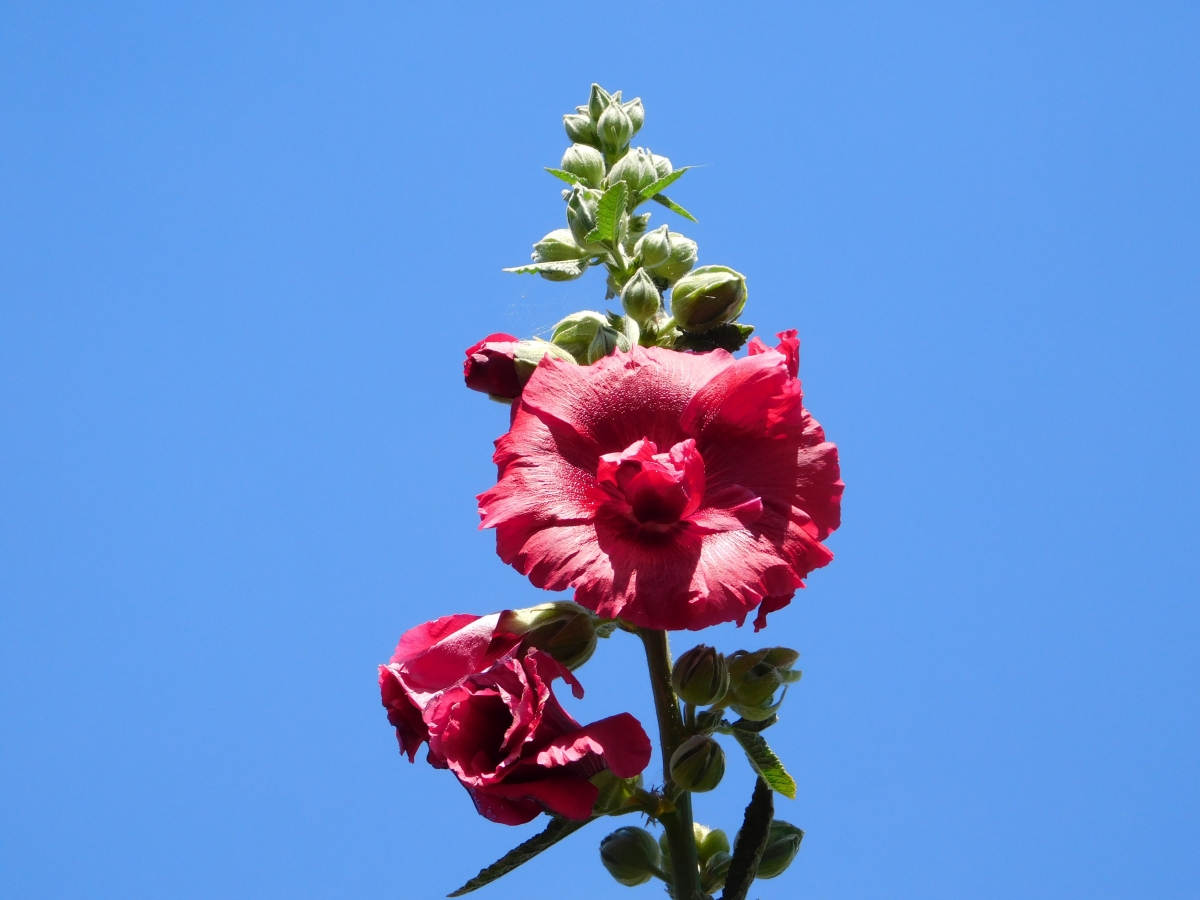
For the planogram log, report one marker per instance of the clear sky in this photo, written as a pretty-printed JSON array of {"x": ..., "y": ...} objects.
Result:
[{"x": 242, "y": 248}]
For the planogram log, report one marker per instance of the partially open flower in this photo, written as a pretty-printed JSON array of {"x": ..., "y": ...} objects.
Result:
[{"x": 490, "y": 366}]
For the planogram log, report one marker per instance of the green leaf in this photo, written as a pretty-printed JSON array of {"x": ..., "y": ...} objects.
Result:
[
  {"x": 765, "y": 762},
  {"x": 751, "y": 842},
  {"x": 558, "y": 829},
  {"x": 565, "y": 269},
  {"x": 608, "y": 214},
  {"x": 673, "y": 206},
  {"x": 661, "y": 185},
  {"x": 565, "y": 176}
]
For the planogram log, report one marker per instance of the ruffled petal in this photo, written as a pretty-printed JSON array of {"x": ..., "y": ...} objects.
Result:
[
  {"x": 618, "y": 743},
  {"x": 570, "y": 796}
]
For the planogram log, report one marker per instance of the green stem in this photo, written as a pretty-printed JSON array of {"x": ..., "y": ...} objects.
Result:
[{"x": 671, "y": 734}]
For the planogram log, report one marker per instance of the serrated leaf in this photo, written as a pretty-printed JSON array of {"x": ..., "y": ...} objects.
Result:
[
  {"x": 565, "y": 176},
  {"x": 566, "y": 268},
  {"x": 751, "y": 842},
  {"x": 661, "y": 185},
  {"x": 558, "y": 829},
  {"x": 673, "y": 206},
  {"x": 765, "y": 762},
  {"x": 608, "y": 214}
]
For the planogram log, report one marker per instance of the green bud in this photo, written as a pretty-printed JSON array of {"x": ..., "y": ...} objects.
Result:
[
  {"x": 637, "y": 226},
  {"x": 709, "y": 842},
  {"x": 607, "y": 341},
  {"x": 580, "y": 128},
  {"x": 575, "y": 333},
  {"x": 634, "y": 168},
  {"x": 614, "y": 129},
  {"x": 581, "y": 213},
  {"x": 557, "y": 246},
  {"x": 662, "y": 165},
  {"x": 598, "y": 102},
  {"x": 698, "y": 764},
  {"x": 679, "y": 261},
  {"x": 585, "y": 162},
  {"x": 783, "y": 843},
  {"x": 707, "y": 297},
  {"x": 640, "y": 297},
  {"x": 752, "y": 681},
  {"x": 631, "y": 855},
  {"x": 700, "y": 676},
  {"x": 716, "y": 870},
  {"x": 527, "y": 355},
  {"x": 654, "y": 247},
  {"x": 615, "y": 793},
  {"x": 636, "y": 113},
  {"x": 563, "y": 629}
]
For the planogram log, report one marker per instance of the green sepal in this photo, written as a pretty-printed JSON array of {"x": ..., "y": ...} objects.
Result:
[
  {"x": 731, "y": 336},
  {"x": 558, "y": 829},
  {"x": 673, "y": 206}
]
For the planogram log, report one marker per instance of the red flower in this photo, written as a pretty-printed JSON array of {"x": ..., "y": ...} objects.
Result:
[
  {"x": 674, "y": 490},
  {"x": 518, "y": 752},
  {"x": 490, "y": 366},
  {"x": 432, "y": 658}
]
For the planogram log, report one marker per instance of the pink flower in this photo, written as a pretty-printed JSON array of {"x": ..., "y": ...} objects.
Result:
[
  {"x": 518, "y": 752},
  {"x": 432, "y": 658},
  {"x": 673, "y": 490},
  {"x": 490, "y": 366}
]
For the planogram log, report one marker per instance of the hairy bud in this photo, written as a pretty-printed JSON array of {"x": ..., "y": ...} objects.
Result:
[
  {"x": 563, "y": 629},
  {"x": 707, "y": 297},
  {"x": 701, "y": 676},
  {"x": 635, "y": 168},
  {"x": 598, "y": 102},
  {"x": 529, "y": 353},
  {"x": 581, "y": 129},
  {"x": 586, "y": 163},
  {"x": 698, "y": 764},
  {"x": 631, "y": 855},
  {"x": 680, "y": 259},
  {"x": 614, "y": 129},
  {"x": 654, "y": 247},
  {"x": 581, "y": 213},
  {"x": 640, "y": 297},
  {"x": 662, "y": 165},
  {"x": 636, "y": 113},
  {"x": 575, "y": 333},
  {"x": 557, "y": 246}
]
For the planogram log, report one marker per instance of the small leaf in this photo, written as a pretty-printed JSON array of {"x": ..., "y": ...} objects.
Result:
[
  {"x": 751, "y": 842},
  {"x": 747, "y": 725},
  {"x": 565, "y": 176},
  {"x": 558, "y": 829},
  {"x": 661, "y": 185},
  {"x": 608, "y": 214},
  {"x": 565, "y": 270},
  {"x": 673, "y": 206},
  {"x": 765, "y": 762}
]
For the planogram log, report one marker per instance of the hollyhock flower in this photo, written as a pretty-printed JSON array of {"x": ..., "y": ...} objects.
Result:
[
  {"x": 432, "y": 658},
  {"x": 518, "y": 752},
  {"x": 491, "y": 367},
  {"x": 672, "y": 490}
]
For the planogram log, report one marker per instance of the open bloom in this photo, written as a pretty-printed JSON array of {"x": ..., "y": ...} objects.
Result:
[
  {"x": 518, "y": 752},
  {"x": 673, "y": 490}
]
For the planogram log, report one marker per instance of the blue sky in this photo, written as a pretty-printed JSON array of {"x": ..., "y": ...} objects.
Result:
[{"x": 243, "y": 247}]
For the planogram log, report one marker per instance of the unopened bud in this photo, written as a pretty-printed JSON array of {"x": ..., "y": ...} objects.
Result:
[
  {"x": 752, "y": 681},
  {"x": 662, "y": 165},
  {"x": 707, "y": 297},
  {"x": 636, "y": 113},
  {"x": 580, "y": 128},
  {"x": 584, "y": 162},
  {"x": 654, "y": 247},
  {"x": 614, "y": 129},
  {"x": 679, "y": 261},
  {"x": 490, "y": 367},
  {"x": 581, "y": 213},
  {"x": 640, "y": 297},
  {"x": 631, "y": 855},
  {"x": 700, "y": 676},
  {"x": 608, "y": 340},
  {"x": 598, "y": 102},
  {"x": 698, "y": 764},
  {"x": 783, "y": 843},
  {"x": 557, "y": 246},
  {"x": 716, "y": 870},
  {"x": 710, "y": 841},
  {"x": 635, "y": 168},
  {"x": 563, "y": 629},
  {"x": 529, "y": 353}
]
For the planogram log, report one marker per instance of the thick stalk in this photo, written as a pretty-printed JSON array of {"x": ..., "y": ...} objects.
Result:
[{"x": 671, "y": 734}]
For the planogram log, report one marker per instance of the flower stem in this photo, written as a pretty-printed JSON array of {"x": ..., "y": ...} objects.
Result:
[{"x": 671, "y": 734}]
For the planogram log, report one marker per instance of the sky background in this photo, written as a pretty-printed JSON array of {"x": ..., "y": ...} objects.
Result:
[{"x": 242, "y": 248}]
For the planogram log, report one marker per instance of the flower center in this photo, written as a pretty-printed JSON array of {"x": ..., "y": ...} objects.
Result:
[{"x": 654, "y": 489}]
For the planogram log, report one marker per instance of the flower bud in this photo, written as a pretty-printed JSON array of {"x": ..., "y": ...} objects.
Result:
[
  {"x": 634, "y": 168},
  {"x": 563, "y": 629},
  {"x": 527, "y": 354},
  {"x": 637, "y": 226},
  {"x": 783, "y": 843},
  {"x": 608, "y": 340},
  {"x": 680, "y": 259},
  {"x": 575, "y": 333},
  {"x": 557, "y": 246},
  {"x": 631, "y": 855},
  {"x": 614, "y": 129},
  {"x": 580, "y": 128},
  {"x": 662, "y": 165},
  {"x": 636, "y": 113},
  {"x": 585, "y": 162},
  {"x": 490, "y": 367},
  {"x": 581, "y": 213},
  {"x": 598, "y": 102},
  {"x": 640, "y": 297},
  {"x": 710, "y": 841},
  {"x": 707, "y": 297},
  {"x": 753, "y": 681},
  {"x": 716, "y": 870},
  {"x": 698, "y": 764},
  {"x": 654, "y": 247},
  {"x": 700, "y": 676}
]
